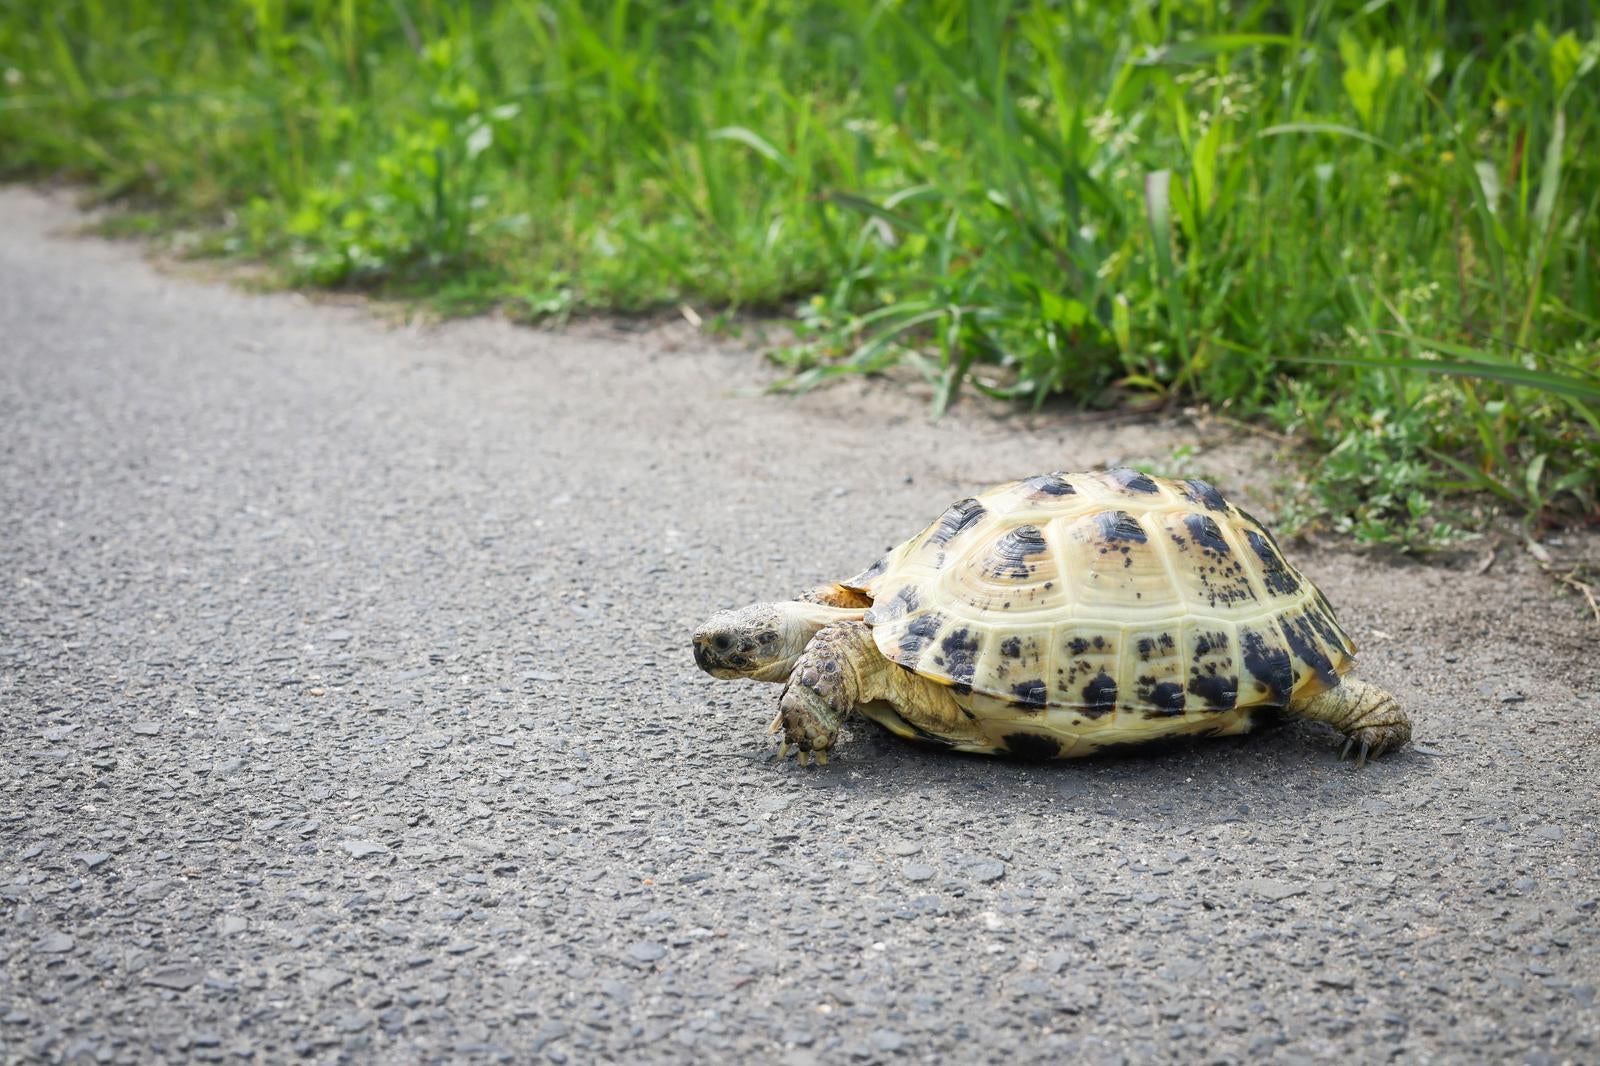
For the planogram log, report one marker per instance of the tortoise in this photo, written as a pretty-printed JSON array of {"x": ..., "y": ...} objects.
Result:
[{"x": 1057, "y": 616}]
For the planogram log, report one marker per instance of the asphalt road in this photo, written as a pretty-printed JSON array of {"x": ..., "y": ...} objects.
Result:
[{"x": 347, "y": 714}]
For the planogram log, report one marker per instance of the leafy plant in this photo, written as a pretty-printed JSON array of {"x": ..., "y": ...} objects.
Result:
[{"x": 1374, "y": 225}]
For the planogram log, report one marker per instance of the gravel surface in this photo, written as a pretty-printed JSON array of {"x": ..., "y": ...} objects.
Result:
[{"x": 348, "y": 714}]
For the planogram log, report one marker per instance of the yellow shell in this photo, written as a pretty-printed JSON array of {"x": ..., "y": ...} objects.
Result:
[{"x": 1091, "y": 609}]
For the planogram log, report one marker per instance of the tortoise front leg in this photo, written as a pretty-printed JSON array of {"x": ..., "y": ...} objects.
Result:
[{"x": 840, "y": 669}]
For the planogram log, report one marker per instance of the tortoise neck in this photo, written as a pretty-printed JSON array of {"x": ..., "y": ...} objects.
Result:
[{"x": 801, "y": 621}]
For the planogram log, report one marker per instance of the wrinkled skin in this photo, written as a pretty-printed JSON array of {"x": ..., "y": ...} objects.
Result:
[{"x": 761, "y": 641}]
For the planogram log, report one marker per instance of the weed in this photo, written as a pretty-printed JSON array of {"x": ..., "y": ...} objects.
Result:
[{"x": 1374, "y": 225}]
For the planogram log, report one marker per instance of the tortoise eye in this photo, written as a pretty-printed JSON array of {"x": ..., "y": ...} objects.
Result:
[{"x": 721, "y": 642}]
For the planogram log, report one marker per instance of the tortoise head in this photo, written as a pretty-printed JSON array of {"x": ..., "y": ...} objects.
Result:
[{"x": 761, "y": 641}]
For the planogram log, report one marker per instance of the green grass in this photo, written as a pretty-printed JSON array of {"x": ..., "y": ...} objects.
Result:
[{"x": 1371, "y": 225}]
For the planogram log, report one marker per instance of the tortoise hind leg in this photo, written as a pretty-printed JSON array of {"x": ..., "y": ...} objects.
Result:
[{"x": 1366, "y": 715}]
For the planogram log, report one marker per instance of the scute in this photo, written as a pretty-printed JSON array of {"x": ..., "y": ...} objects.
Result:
[
  {"x": 1208, "y": 566},
  {"x": 1115, "y": 605}
]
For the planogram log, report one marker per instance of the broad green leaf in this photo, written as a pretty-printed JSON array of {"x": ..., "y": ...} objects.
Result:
[
  {"x": 1063, "y": 309},
  {"x": 1360, "y": 79},
  {"x": 1122, "y": 325},
  {"x": 1565, "y": 55},
  {"x": 1205, "y": 167}
]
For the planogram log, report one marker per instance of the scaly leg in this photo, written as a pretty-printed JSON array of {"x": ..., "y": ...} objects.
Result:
[
  {"x": 840, "y": 671},
  {"x": 841, "y": 667},
  {"x": 1366, "y": 715}
]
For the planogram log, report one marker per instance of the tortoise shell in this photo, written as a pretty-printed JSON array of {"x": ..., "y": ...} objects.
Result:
[{"x": 1111, "y": 606}]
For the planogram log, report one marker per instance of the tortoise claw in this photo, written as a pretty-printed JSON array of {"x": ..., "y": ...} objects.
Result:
[
  {"x": 1368, "y": 744},
  {"x": 801, "y": 755},
  {"x": 777, "y": 724}
]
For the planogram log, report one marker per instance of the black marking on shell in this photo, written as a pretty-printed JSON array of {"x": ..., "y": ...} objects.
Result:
[
  {"x": 899, "y": 605},
  {"x": 1268, "y": 664},
  {"x": 1099, "y": 695},
  {"x": 1220, "y": 693},
  {"x": 1206, "y": 643},
  {"x": 1131, "y": 480},
  {"x": 1149, "y": 646},
  {"x": 1221, "y": 576},
  {"x": 1009, "y": 554},
  {"x": 1339, "y": 637},
  {"x": 1322, "y": 601},
  {"x": 960, "y": 658},
  {"x": 1206, "y": 533},
  {"x": 1279, "y": 579},
  {"x": 1165, "y": 698},
  {"x": 1120, "y": 525},
  {"x": 1262, "y": 526},
  {"x": 1200, "y": 492},
  {"x": 860, "y": 580},
  {"x": 1030, "y": 694},
  {"x": 1049, "y": 485},
  {"x": 1079, "y": 645},
  {"x": 1011, "y": 647},
  {"x": 1304, "y": 643},
  {"x": 1326, "y": 628},
  {"x": 958, "y": 517},
  {"x": 919, "y": 633},
  {"x": 1032, "y": 746}
]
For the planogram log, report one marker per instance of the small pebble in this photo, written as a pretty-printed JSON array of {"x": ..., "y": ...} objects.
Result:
[
  {"x": 360, "y": 849},
  {"x": 177, "y": 978},
  {"x": 1275, "y": 891},
  {"x": 887, "y": 1040}
]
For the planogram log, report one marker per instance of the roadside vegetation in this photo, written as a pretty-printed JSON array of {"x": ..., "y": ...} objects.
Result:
[{"x": 1372, "y": 226}]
